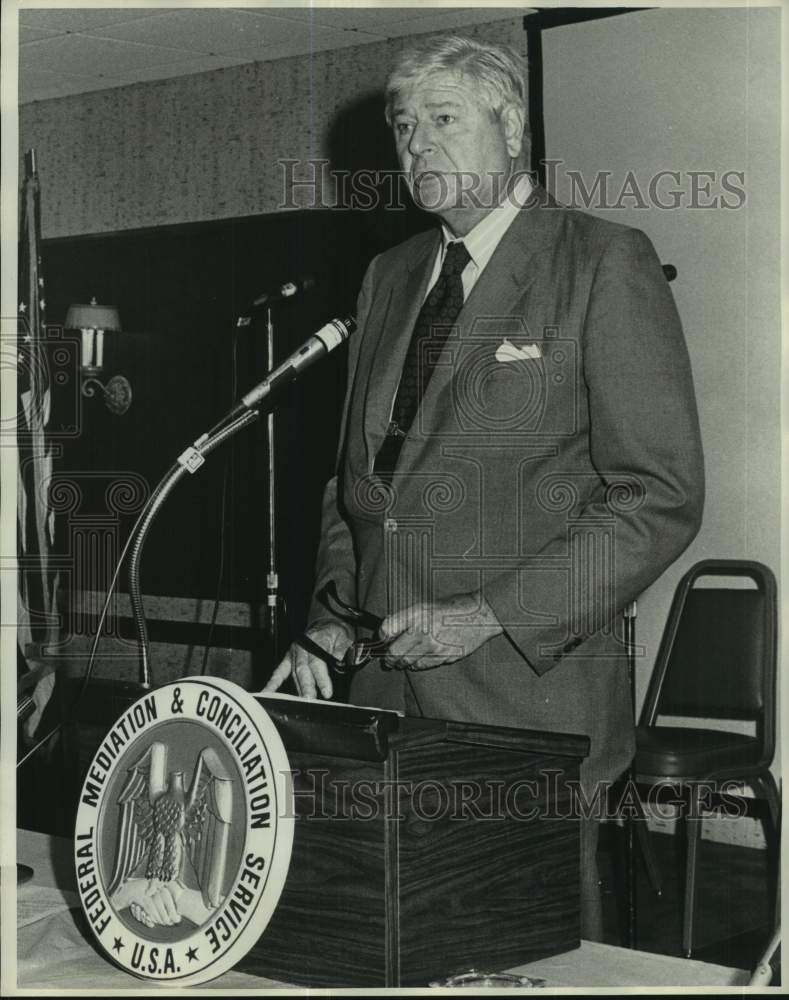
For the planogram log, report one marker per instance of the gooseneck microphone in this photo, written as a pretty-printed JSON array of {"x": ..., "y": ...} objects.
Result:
[
  {"x": 322, "y": 342},
  {"x": 245, "y": 412}
]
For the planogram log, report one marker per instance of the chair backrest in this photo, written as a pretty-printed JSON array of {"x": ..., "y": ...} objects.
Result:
[{"x": 717, "y": 655}]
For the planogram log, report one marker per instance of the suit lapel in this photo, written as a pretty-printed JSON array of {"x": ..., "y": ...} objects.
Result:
[
  {"x": 517, "y": 261},
  {"x": 510, "y": 272}
]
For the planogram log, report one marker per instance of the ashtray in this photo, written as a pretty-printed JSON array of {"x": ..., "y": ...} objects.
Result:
[{"x": 474, "y": 978}]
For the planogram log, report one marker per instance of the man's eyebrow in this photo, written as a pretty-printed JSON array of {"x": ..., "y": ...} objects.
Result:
[{"x": 431, "y": 105}]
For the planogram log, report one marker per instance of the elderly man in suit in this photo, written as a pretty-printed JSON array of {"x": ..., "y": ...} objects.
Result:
[{"x": 520, "y": 453}]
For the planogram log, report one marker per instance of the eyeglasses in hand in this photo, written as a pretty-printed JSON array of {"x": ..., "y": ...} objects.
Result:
[{"x": 359, "y": 653}]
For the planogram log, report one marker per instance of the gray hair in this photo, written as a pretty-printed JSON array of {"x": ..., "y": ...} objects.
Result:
[{"x": 498, "y": 71}]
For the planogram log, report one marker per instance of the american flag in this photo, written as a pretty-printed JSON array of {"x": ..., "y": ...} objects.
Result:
[{"x": 37, "y": 614}]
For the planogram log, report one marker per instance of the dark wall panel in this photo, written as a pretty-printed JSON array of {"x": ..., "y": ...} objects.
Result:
[{"x": 179, "y": 290}]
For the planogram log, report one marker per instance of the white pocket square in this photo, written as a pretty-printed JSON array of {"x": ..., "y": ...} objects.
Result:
[{"x": 507, "y": 351}]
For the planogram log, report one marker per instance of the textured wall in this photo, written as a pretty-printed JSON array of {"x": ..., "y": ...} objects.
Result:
[
  {"x": 205, "y": 146},
  {"x": 704, "y": 87}
]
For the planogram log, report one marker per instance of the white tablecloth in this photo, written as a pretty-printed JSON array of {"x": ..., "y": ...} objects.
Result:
[{"x": 55, "y": 949}]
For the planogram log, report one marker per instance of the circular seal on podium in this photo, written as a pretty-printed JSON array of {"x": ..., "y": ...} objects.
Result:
[{"x": 184, "y": 831}]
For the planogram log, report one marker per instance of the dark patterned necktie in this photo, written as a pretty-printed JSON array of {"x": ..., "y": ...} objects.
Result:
[{"x": 435, "y": 319}]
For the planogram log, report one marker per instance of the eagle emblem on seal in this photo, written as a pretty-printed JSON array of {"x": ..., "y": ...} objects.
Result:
[{"x": 172, "y": 843}]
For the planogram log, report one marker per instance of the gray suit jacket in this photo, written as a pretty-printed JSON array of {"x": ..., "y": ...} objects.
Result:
[{"x": 559, "y": 486}]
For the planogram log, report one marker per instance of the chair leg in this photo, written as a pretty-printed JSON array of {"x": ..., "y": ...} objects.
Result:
[
  {"x": 765, "y": 783},
  {"x": 645, "y": 845},
  {"x": 648, "y": 854},
  {"x": 764, "y": 786},
  {"x": 693, "y": 833}
]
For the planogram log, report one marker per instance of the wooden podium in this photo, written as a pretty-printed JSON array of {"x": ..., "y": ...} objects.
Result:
[
  {"x": 410, "y": 861},
  {"x": 422, "y": 847}
]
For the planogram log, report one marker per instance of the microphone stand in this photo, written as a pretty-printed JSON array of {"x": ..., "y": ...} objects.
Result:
[
  {"x": 330, "y": 336},
  {"x": 272, "y": 577}
]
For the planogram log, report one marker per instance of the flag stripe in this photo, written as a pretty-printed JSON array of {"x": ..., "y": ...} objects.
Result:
[{"x": 37, "y": 582}]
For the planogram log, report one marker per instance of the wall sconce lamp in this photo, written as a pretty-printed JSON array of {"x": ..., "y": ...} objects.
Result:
[{"x": 93, "y": 320}]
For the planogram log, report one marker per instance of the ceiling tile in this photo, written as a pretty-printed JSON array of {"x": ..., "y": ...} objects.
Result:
[
  {"x": 41, "y": 84},
  {"x": 222, "y": 31},
  {"x": 349, "y": 18},
  {"x": 442, "y": 20},
  {"x": 115, "y": 46},
  {"x": 78, "y": 53},
  {"x": 375, "y": 18},
  {"x": 32, "y": 71},
  {"x": 186, "y": 67},
  {"x": 319, "y": 41},
  {"x": 65, "y": 19},
  {"x": 27, "y": 35}
]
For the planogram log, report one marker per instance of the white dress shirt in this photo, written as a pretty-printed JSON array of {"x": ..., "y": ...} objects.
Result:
[
  {"x": 481, "y": 241},
  {"x": 484, "y": 237}
]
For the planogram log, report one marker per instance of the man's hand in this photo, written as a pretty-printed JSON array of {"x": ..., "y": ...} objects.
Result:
[
  {"x": 308, "y": 671},
  {"x": 428, "y": 635},
  {"x": 150, "y": 901},
  {"x": 156, "y": 903}
]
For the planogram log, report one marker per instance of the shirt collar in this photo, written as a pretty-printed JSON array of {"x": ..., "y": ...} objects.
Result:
[{"x": 483, "y": 239}]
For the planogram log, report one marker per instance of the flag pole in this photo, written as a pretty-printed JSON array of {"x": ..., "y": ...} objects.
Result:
[
  {"x": 630, "y": 878},
  {"x": 38, "y": 583}
]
